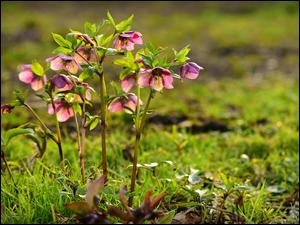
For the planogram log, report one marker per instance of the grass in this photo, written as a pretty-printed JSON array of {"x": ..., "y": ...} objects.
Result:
[{"x": 268, "y": 173}]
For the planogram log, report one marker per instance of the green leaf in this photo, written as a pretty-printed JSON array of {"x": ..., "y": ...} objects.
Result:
[
  {"x": 20, "y": 96},
  {"x": 37, "y": 68},
  {"x": 77, "y": 108},
  {"x": 87, "y": 73},
  {"x": 125, "y": 25},
  {"x": 181, "y": 56},
  {"x": 94, "y": 123},
  {"x": 146, "y": 59},
  {"x": 61, "y": 41},
  {"x": 111, "y": 19},
  {"x": 122, "y": 62},
  {"x": 63, "y": 50},
  {"x": 15, "y": 132},
  {"x": 90, "y": 29},
  {"x": 74, "y": 41}
]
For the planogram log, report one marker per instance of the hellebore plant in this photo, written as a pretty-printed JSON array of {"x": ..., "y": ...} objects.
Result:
[
  {"x": 63, "y": 85},
  {"x": 152, "y": 70}
]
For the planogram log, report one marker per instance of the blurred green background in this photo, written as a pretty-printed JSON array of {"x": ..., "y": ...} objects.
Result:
[{"x": 228, "y": 39}]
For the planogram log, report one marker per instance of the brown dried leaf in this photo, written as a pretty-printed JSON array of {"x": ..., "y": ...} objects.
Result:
[
  {"x": 79, "y": 208},
  {"x": 93, "y": 189}
]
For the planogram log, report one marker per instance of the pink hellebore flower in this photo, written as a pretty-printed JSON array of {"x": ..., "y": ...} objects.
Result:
[
  {"x": 128, "y": 83},
  {"x": 29, "y": 77},
  {"x": 62, "y": 82},
  {"x": 126, "y": 40},
  {"x": 64, "y": 62},
  {"x": 89, "y": 55},
  {"x": 156, "y": 78},
  {"x": 88, "y": 91},
  {"x": 63, "y": 109},
  {"x": 127, "y": 103},
  {"x": 190, "y": 70}
]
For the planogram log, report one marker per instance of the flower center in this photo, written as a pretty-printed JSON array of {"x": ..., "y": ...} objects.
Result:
[{"x": 156, "y": 72}]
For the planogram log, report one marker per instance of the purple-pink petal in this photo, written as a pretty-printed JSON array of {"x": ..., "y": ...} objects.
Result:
[
  {"x": 115, "y": 105},
  {"x": 136, "y": 38},
  {"x": 38, "y": 83},
  {"x": 26, "y": 76},
  {"x": 56, "y": 63},
  {"x": 190, "y": 70},
  {"x": 64, "y": 114},
  {"x": 144, "y": 78},
  {"x": 128, "y": 83},
  {"x": 167, "y": 81},
  {"x": 62, "y": 82}
]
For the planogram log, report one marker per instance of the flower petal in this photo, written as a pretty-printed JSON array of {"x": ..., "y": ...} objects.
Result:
[
  {"x": 38, "y": 83},
  {"x": 64, "y": 114},
  {"x": 129, "y": 46},
  {"x": 50, "y": 109},
  {"x": 117, "y": 44},
  {"x": 137, "y": 38},
  {"x": 156, "y": 83},
  {"x": 128, "y": 83},
  {"x": 191, "y": 76},
  {"x": 26, "y": 76},
  {"x": 115, "y": 105},
  {"x": 56, "y": 63},
  {"x": 62, "y": 82},
  {"x": 72, "y": 67},
  {"x": 144, "y": 78},
  {"x": 167, "y": 81}
]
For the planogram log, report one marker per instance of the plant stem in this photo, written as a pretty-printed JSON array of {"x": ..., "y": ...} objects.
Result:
[
  {"x": 79, "y": 147},
  {"x": 6, "y": 164},
  {"x": 82, "y": 131},
  {"x": 46, "y": 129},
  {"x": 103, "y": 123},
  {"x": 37, "y": 117},
  {"x": 61, "y": 155},
  {"x": 139, "y": 123}
]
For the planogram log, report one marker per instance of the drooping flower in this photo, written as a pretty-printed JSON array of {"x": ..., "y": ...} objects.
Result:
[
  {"x": 156, "y": 78},
  {"x": 126, "y": 40},
  {"x": 6, "y": 108},
  {"x": 64, "y": 62},
  {"x": 83, "y": 55},
  {"x": 128, "y": 83},
  {"x": 88, "y": 91},
  {"x": 29, "y": 77},
  {"x": 62, "y": 82},
  {"x": 128, "y": 103},
  {"x": 63, "y": 109},
  {"x": 190, "y": 70}
]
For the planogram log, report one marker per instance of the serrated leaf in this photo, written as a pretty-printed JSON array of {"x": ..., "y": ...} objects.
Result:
[
  {"x": 79, "y": 208},
  {"x": 94, "y": 124},
  {"x": 37, "y": 68},
  {"x": 111, "y": 19},
  {"x": 125, "y": 25},
  {"x": 61, "y": 41}
]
